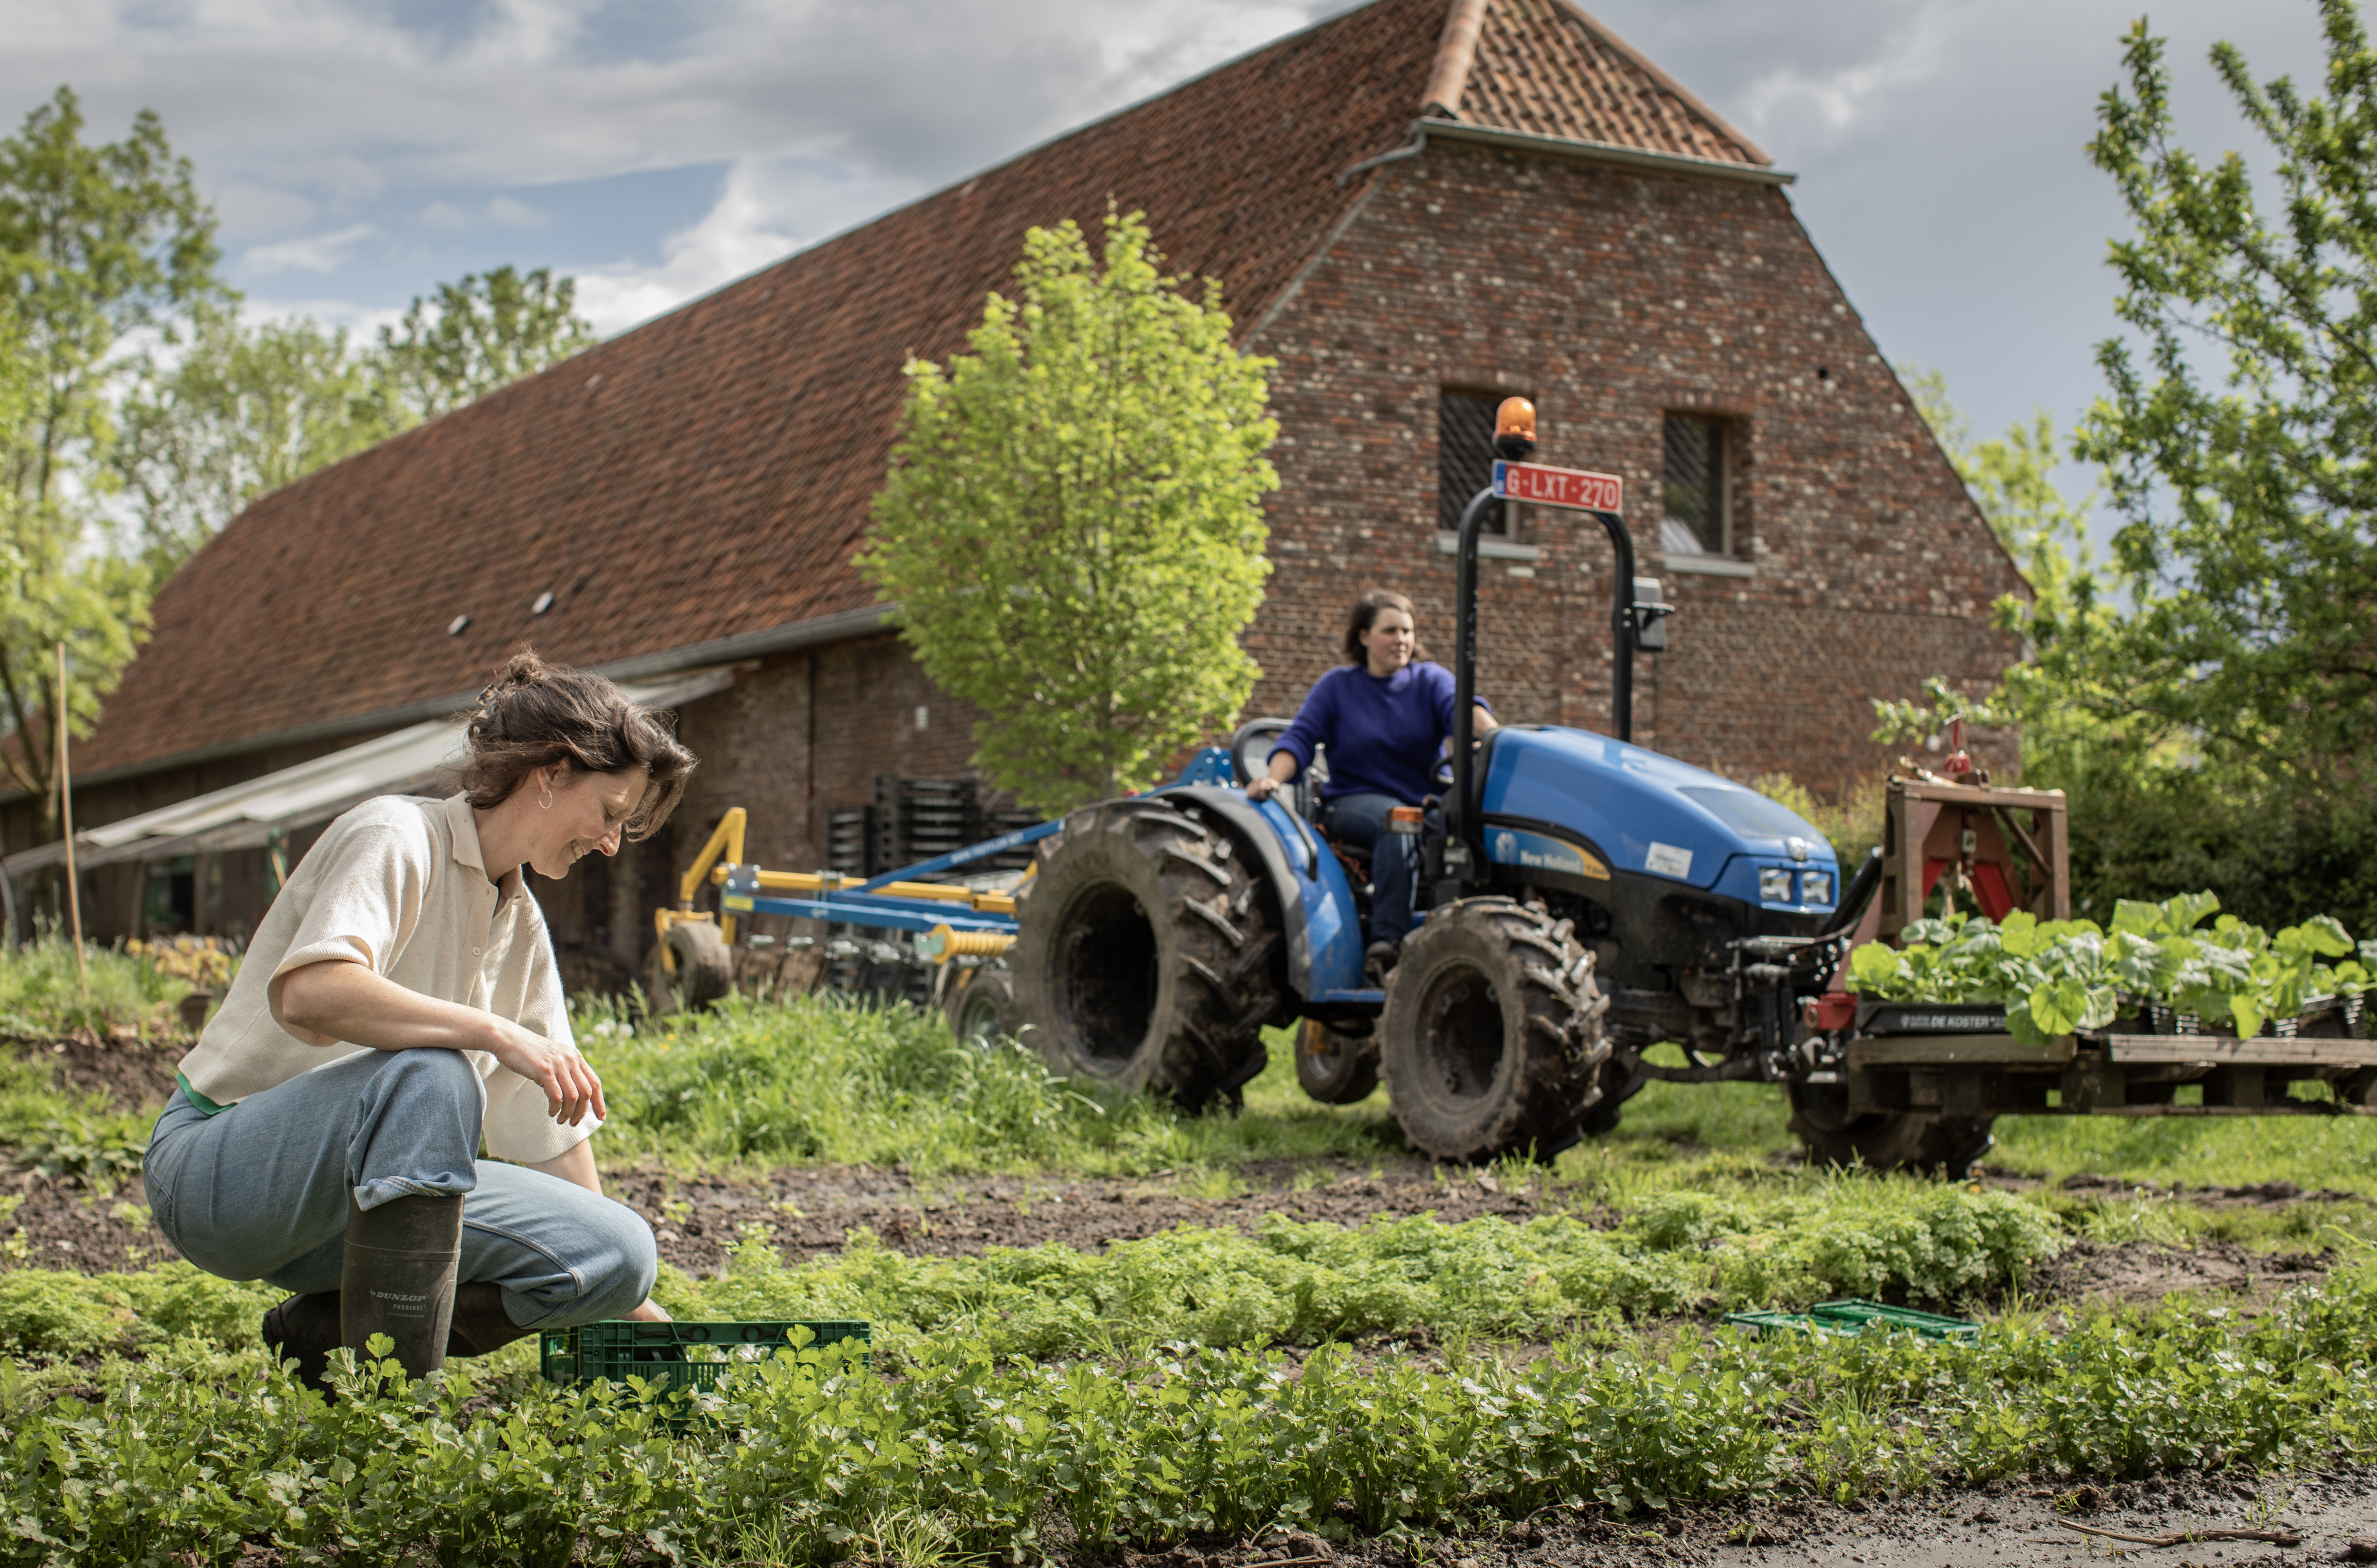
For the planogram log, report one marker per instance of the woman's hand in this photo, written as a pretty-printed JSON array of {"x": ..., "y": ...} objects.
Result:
[
  {"x": 336, "y": 1000},
  {"x": 570, "y": 1086},
  {"x": 1281, "y": 770}
]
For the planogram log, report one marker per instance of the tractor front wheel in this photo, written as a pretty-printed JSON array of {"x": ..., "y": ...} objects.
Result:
[
  {"x": 1144, "y": 955},
  {"x": 1492, "y": 1040},
  {"x": 1335, "y": 1068}
]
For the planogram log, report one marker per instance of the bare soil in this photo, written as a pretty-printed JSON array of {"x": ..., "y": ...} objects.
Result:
[
  {"x": 2021, "y": 1524},
  {"x": 2011, "y": 1524},
  {"x": 134, "y": 1074},
  {"x": 814, "y": 1209}
]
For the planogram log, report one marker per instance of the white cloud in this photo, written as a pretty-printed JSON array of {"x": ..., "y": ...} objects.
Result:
[
  {"x": 321, "y": 253},
  {"x": 510, "y": 214}
]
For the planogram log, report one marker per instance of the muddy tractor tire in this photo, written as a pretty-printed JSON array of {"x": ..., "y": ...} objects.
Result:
[
  {"x": 1334, "y": 1068},
  {"x": 981, "y": 1007},
  {"x": 1492, "y": 1041},
  {"x": 1884, "y": 1140},
  {"x": 691, "y": 968},
  {"x": 1146, "y": 955}
]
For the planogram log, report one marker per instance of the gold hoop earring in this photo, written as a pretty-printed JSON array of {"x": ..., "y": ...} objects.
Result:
[{"x": 547, "y": 802}]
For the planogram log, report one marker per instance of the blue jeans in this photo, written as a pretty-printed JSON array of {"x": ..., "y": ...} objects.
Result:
[
  {"x": 259, "y": 1191},
  {"x": 1361, "y": 820}
]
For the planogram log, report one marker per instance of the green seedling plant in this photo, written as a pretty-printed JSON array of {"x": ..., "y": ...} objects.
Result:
[{"x": 2054, "y": 976}]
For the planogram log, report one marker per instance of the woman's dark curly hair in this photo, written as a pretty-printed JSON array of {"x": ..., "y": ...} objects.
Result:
[
  {"x": 1366, "y": 610},
  {"x": 538, "y": 715}
]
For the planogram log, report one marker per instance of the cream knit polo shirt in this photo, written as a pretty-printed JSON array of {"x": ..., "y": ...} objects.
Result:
[{"x": 398, "y": 883}]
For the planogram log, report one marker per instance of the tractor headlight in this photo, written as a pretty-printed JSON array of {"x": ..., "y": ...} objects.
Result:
[
  {"x": 1775, "y": 885},
  {"x": 1815, "y": 888}
]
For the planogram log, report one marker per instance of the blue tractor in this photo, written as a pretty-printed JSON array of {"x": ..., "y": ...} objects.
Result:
[{"x": 1586, "y": 898}]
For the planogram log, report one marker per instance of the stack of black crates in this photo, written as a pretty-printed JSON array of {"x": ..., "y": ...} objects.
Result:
[{"x": 912, "y": 820}]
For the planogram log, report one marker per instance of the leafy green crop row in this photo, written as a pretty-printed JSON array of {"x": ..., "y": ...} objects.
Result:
[
  {"x": 812, "y": 1460},
  {"x": 2057, "y": 976},
  {"x": 1307, "y": 1284},
  {"x": 1302, "y": 1284}
]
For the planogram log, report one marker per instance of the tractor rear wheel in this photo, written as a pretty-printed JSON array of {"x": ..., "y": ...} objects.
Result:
[
  {"x": 1144, "y": 955},
  {"x": 691, "y": 968},
  {"x": 1885, "y": 1140},
  {"x": 1335, "y": 1068},
  {"x": 980, "y": 1008},
  {"x": 1492, "y": 1039}
]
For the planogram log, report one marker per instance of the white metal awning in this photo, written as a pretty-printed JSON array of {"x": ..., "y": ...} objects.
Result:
[{"x": 246, "y": 816}]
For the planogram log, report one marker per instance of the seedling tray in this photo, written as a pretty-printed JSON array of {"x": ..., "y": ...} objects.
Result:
[
  {"x": 1855, "y": 1317},
  {"x": 681, "y": 1357}
]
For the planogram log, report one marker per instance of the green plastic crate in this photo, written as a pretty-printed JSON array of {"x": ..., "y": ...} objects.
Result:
[
  {"x": 1855, "y": 1317},
  {"x": 677, "y": 1356},
  {"x": 1784, "y": 1322}
]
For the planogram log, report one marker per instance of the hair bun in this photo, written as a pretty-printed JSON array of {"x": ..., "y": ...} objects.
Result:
[{"x": 522, "y": 669}]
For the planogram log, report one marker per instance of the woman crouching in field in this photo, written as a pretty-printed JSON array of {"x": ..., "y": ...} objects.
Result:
[{"x": 399, "y": 1001}]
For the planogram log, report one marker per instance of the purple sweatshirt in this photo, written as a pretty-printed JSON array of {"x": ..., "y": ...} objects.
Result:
[{"x": 1383, "y": 736}]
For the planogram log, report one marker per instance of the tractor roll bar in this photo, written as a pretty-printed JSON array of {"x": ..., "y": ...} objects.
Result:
[{"x": 1512, "y": 445}]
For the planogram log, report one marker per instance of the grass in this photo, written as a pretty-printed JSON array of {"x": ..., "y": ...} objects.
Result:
[
  {"x": 751, "y": 1086},
  {"x": 42, "y": 997}
]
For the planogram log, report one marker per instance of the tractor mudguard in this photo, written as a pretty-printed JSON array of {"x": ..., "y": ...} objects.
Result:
[{"x": 1316, "y": 902}]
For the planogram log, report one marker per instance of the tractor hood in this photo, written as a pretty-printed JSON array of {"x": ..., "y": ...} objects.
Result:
[{"x": 1652, "y": 815}]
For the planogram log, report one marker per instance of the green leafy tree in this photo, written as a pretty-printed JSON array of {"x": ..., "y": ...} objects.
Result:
[
  {"x": 483, "y": 332},
  {"x": 94, "y": 602},
  {"x": 1073, "y": 519},
  {"x": 2240, "y": 430},
  {"x": 2065, "y": 714},
  {"x": 241, "y": 412},
  {"x": 96, "y": 242}
]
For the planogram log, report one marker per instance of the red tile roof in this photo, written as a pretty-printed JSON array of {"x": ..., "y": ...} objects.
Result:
[
  {"x": 1593, "y": 88},
  {"x": 707, "y": 474}
]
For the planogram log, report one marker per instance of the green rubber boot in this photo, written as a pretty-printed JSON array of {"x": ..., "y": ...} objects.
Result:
[
  {"x": 481, "y": 1324},
  {"x": 305, "y": 1329},
  {"x": 399, "y": 1278}
]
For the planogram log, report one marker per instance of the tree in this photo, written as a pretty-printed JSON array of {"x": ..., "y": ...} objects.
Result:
[
  {"x": 1072, "y": 522},
  {"x": 2240, "y": 430},
  {"x": 486, "y": 332},
  {"x": 2152, "y": 814},
  {"x": 242, "y": 413},
  {"x": 57, "y": 592},
  {"x": 95, "y": 242},
  {"x": 2064, "y": 711}
]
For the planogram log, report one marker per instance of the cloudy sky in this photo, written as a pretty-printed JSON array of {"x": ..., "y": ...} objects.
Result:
[{"x": 359, "y": 151}]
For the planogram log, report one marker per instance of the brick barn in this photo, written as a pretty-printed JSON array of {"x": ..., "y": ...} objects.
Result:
[{"x": 1416, "y": 208}]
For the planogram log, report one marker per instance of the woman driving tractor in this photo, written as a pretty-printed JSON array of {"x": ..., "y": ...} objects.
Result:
[{"x": 1385, "y": 716}]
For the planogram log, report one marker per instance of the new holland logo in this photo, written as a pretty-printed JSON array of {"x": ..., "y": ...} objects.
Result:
[{"x": 1537, "y": 851}]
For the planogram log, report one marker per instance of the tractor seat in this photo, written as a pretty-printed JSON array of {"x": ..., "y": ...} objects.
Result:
[{"x": 1250, "y": 751}]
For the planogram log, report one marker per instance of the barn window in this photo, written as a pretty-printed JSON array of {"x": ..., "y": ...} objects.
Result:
[
  {"x": 1465, "y": 454},
  {"x": 1693, "y": 500}
]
